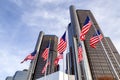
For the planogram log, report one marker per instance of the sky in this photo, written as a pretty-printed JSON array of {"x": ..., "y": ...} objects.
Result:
[{"x": 22, "y": 20}]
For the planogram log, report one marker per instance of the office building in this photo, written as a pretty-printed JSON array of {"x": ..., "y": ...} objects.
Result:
[
  {"x": 36, "y": 66},
  {"x": 97, "y": 63},
  {"x": 102, "y": 63},
  {"x": 9, "y": 78},
  {"x": 19, "y": 75},
  {"x": 35, "y": 70}
]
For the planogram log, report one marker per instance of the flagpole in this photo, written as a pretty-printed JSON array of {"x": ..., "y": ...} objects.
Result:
[
  {"x": 49, "y": 66},
  {"x": 62, "y": 47},
  {"x": 63, "y": 67},
  {"x": 68, "y": 66},
  {"x": 67, "y": 56},
  {"x": 49, "y": 57},
  {"x": 47, "y": 60},
  {"x": 76, "y": 28},
  {"x": 63, "y": 56},
  {"x": 49, "y": 69},
  {"x": 46, "y": 70},
  {"x": 106, "y": 53},
  {"x": 33, "y": 63},
  {"x": 77, "y": 67},
  {"x": 67, "y": 51},
  {"x": 112, "y": 53}
]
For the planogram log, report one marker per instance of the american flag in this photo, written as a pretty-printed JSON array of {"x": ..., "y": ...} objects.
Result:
[
  {"x": 95, "y": 39},
  {"x": 85, "y": 28},
  {"x": 62, "y": 44},
  {"x": 46, "y": 52},
  {"x": 30, "y": 56},
  {"x": 80, "y": 56},
  {"x": 45, "y": 67},
  {"x": 60, "y": 56},
  {"x": 57, "y": 59}
]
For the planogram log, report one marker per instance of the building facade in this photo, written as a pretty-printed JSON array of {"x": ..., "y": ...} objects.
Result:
[
  {"x": 52, "y": 55},
  {"x": 102, "y": 63},
  {"x": 97, "y": 63},
  {"x": 9, "y": 78},
  {"x": 37, "y": 65},
  {"x": 19, "y": 75}
]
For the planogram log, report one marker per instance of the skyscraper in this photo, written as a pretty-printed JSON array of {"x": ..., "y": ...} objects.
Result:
[
  {"x": 97, "y": 63},
  {"x": 19, "y": 75},
  {"x": 36, "y": 66},
  {"x": 35, "y": 70},
  {"x": 52, "y": 54},
  {"x": 9, "y": 78}
]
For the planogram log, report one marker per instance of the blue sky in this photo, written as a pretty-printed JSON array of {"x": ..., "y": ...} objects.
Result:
[{"x": 22, "y": 20}]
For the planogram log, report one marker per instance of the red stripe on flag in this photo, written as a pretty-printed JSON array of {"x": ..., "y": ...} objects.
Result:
[
  {"x": 84, "y": 30},
  {"x": 29, "y": 57},
  {"x": 45, "y": 67},
  {"x": 94, "y": 40},
  {"x": 45, "y": 54},
  {"x": 57, "y": 59},
  {"x": 62, "y": 46},
  {"x": 80, "y": 56}
]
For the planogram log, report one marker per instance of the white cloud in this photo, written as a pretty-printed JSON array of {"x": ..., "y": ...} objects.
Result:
[
  {"x": 10, "y": 62},
  {"x": 51, "y": 16},
  {"x": 46, "y": 20},
  {"x": 107, "y": 16},
  {"x": 17, "y": 2}
]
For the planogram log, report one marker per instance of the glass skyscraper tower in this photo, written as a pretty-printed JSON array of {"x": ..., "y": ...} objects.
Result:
[
  {"x": 97, "y": 63},
  {"x": 102, "y": 63},
  {"x": 35, "y": 70}
]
